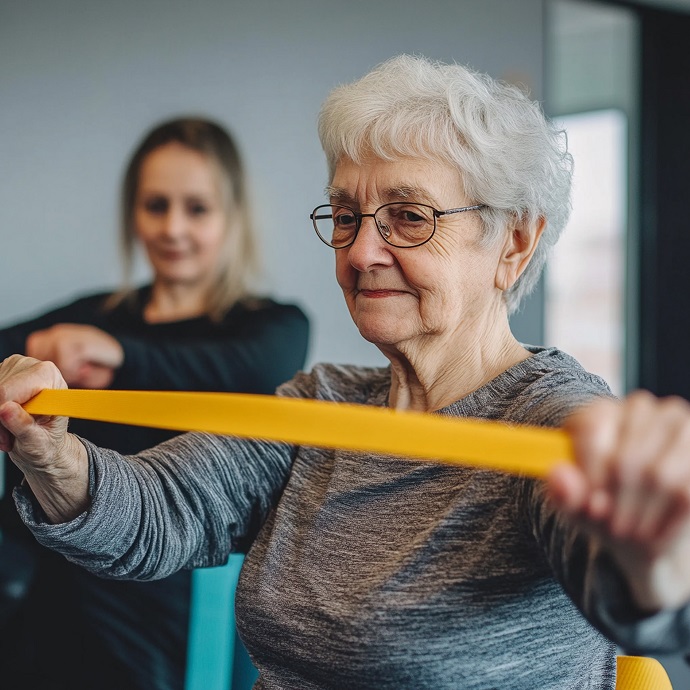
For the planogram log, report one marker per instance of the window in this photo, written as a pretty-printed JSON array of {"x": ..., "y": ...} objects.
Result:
[
  {"x": 590, "y": 286},
  {"x": 584, "y": 307}
]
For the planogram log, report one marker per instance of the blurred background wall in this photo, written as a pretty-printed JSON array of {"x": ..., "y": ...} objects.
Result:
[{"x": 80, "y": 81}]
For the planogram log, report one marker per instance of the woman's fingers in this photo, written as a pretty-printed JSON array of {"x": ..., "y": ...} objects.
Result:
[
  {"x": 30, "y": 440},
  {"x": 649, "y": 465},
  {"x": 93, "y": 376},
  {"x": 630, "y": 482},
  {"x": 627, "y": 452},
  {"x": 15, "y": 420},
  {"x": 630, "y": 485},
  {"x": 72, "y": 346},
  {"x": 23, "y": 430},
  {"x": 667, "y": 481},
  {"x": 54, "y": 464},
  {"x": 595, "y": 432},
  {"x": 23, "y": 377},
  {"x": 58, "y": 346},
  {"x": 6, "y": 439},
  {"x": 568, "y": 486},
  {"x": 641, "y": 440},
  {"x": 632, "y": 467}
]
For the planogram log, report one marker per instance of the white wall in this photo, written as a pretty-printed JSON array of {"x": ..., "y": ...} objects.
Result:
[{"x": 80, "y": 81}]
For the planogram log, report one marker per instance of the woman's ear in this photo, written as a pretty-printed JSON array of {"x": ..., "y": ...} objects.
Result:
[{"x": 521, "y": 241}]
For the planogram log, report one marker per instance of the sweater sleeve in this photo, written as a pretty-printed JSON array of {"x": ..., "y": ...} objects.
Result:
[
  {"x": 595, "y": 584},
  {"x": 186, "y": 503},
  {"x": 584, "y": 569},
  {"x": 268, "y": 348}
]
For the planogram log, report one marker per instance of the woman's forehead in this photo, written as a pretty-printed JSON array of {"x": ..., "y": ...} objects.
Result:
[
  {"x": 414, "y": 179},
  {"x": 394, "y": 193}
]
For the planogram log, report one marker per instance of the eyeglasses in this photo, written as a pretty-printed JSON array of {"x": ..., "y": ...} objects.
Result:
[{"x": 401, "y": 223}]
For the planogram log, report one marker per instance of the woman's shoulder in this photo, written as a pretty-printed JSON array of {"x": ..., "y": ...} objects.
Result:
[
  {"x": 549, "y": 365},
  {"x": 340, "y": 383},
  {"x": 551, "y": 386},
  {"x": 85, "y": 298},
  {"x": 81, "y": 308},
  {"x": 262, "y": 308},
  {"x": 541, "y": 390}
]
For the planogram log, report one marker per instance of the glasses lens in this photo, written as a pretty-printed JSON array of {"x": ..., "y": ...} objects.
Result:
[
  {"x": 335, "y": 225},
  {"x": 406, "y": 225}
]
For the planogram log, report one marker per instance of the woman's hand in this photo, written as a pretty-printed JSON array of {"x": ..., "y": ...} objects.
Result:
[
  {"x": 86, "y": 356},
  {"x": 54, "y": 463},
  {"x": 630, "y": 486}
]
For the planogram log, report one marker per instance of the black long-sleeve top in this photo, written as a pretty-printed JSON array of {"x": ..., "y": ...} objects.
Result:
[
  {"x": 257, "y": 346},
  {"x": 134, "y": 634}
]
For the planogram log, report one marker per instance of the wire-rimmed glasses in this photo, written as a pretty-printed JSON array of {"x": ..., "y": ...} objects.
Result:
[{"x": 400, "y": 223}]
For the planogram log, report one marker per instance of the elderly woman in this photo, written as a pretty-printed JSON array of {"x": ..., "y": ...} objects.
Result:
[{"x": 446, "y": 191}]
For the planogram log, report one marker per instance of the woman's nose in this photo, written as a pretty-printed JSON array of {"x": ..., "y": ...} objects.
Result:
[
  {"x": 174, "y": 223},
  {"x": 369, "y": 249}
]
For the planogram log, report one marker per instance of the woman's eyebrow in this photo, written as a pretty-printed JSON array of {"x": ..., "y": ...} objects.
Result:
[
  {"x": 339, "y": 194},
  {"x": 390, "y": 194},
  {"x": 407, "y": 192}
]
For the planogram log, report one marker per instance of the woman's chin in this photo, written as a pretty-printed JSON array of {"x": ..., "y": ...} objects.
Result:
[
  {"x": 384, "y": 322},
  {"x": 381, "y": 334}
]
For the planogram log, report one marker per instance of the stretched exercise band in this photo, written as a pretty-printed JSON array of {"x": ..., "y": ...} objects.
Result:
[{"x": 492, "y": 445}]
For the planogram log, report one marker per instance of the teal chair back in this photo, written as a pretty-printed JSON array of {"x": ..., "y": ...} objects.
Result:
[{"x": 216, "y": 657}]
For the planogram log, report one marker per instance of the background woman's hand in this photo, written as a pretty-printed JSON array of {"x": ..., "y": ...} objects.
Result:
[
  {"x": 54, "y": 463},
  {"x": 630, "y": 486},
  {"x": 86, "y": 356}
]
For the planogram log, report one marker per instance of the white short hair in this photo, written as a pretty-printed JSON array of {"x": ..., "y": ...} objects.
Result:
[{"x": 509, "y": 155}]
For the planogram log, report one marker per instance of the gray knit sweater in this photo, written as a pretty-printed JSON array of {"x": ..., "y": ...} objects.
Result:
[{"x": 370, "y": 571}]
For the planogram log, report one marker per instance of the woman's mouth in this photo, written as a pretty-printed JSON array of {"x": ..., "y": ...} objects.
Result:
[
  {"x": 377, "y": 294},
  {"x": 172, "y": 255}
]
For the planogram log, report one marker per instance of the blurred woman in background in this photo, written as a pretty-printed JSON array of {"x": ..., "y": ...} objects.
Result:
[{"x": 196, "y": 326}]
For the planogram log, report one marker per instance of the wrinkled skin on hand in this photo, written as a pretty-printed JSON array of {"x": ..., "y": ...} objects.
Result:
[
  {"x": 630, "y": 488},
  {"x": 54, "y": 463}
]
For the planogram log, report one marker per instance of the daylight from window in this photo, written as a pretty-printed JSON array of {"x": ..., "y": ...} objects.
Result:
[{"x": 584, "y": 310}]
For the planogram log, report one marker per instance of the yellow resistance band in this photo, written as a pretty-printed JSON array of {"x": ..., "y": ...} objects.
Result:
[{"x": 491, "y": 445}]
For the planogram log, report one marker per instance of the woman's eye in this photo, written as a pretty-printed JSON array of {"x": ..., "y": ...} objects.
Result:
[
  {"x": 405, "y": 213},
  {"x": 197, "y": 209},
  {"x": 156, "y": 205},
  {"x": 345, "y": 219},
  {"x": 412, "y": 217}
]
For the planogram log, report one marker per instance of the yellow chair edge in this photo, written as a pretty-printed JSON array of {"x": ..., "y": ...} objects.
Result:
[{"x": 641, "y": 673}]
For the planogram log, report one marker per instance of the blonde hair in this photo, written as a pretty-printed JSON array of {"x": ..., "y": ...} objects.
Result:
[{"x": 239, "y": 257}]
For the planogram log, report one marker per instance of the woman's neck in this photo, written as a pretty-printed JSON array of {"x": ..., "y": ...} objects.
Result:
[
  {"x": 432, "y": 373},
  {"x": 174, "y": 303}
]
